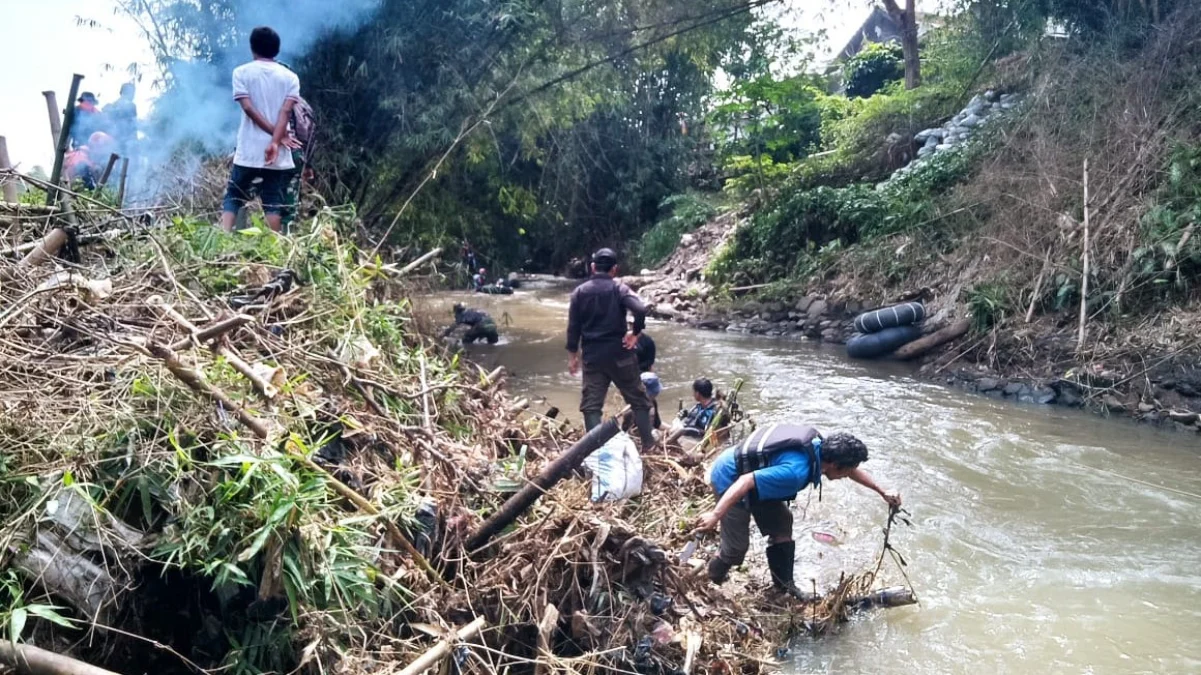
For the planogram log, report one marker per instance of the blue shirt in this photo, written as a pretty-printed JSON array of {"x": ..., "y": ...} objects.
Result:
[{"x": 781, "y": 480}]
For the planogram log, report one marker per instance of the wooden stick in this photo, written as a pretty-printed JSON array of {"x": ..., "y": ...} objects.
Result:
[
  {"x": 440, "y": 650},
  {"x": 1184, "y": 237},
  {"x": 30, "y": 660},
  {"x": 56, "y": 122},
  {"x": 413, "y": 265},
  {"x": 64, "y": 142},
  {"x": 108, "y": 171},
  {"x": 1038, "y": 287},
  {"x": 937, "y": 338},
  {"x": 1084, "y": 276},
  {"x": 425, "y": 395},
  {"x": 121, "y": 187},
  {"x": 28, "y": 209},
  {"x": 263, "y": 386},
  {"x": 198, "y": 384},
  {"x": 46, "y": 249},
  {"x": 554, "y": 472},
  {"x": 10, "y": 185},
  {"x": 212, "y": 330},
  {"x": 494, "y": 376}
]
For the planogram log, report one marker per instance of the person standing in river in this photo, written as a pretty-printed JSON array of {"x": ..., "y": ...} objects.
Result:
[
  {"x": 597, "y": 338},
  {"x": 760, "y": 476}
]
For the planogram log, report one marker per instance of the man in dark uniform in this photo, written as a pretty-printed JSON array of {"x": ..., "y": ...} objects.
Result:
[
  {"x": 596, "y": 327},
  {"x": 760, "y": 476},
  {"x": 480, "y": 326}
]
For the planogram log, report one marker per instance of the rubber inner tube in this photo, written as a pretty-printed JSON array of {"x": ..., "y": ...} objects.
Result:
[
  {"x": 877, "y": 320},
  {"x": 874, "y": 345}
]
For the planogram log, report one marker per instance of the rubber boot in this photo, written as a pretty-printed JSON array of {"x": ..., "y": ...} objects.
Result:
[
  {"x": 642, "y": 418},
  {"x": 780, "y": 561},
  {"x": 592, "y": 420},
  {"x": 719, "y": 571}
]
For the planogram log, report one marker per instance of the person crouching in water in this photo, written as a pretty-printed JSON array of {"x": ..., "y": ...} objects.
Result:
[
  {"x": 760, "y": 476},
  {"x": 480, "y": 326},
  {"x": 697, "y": 418}
]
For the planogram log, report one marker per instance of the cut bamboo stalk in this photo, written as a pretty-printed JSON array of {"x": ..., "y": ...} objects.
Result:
[
  {"x": 247, "y": 370},
  {"x": 196, "y": 382},
  {"x": 440, "y": 650},
  {"x": 108, "y": 171},
  {"x": 212, "y": 330},
  {"x": 693, "y": 647},
  {"x": 56, "y": 121},
  {"x": 936, "y": 339},
  {"x": 9, "y": 182},
  {"x": 64, "y": 142},
  {"x": 546, "y": 630},
  {"x": 1084, "y": 276},
  {"x": 553, "y": 473},
  {"x": 389, "y": 269},
  {"x": 46, "y": 249},
  {"x": 121, "y": 187},
  {"x": 30, "y": 660}
]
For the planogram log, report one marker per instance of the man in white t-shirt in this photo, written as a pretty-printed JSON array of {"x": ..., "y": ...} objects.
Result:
[{"x": 266, "y": 91}]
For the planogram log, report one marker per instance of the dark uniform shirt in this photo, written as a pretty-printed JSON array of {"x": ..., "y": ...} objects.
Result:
[
  {"x": 471, "y": 317},
  {"x": 646, "y": 352},
  {"x": 596, "y": 320}
]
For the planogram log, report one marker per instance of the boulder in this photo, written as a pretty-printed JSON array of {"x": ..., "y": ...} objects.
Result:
[
  {"x": 687, "y": 240},
  {"x": 802, "y": 305},
  {"x": 924, "y": 151},
  {"x": 830, "y": 335},
  {"x": 1145, "y": 407},
  {"x": 942, "y": 147},
  {"x": 986, "y": 384},
  {"x": 925, "y": 135},
  {"x": 1015, "y": 388},
  {"x": 816, "y": 309},
  {"x": 970, "y": 121},
  {"x": 991, "y": 95},
  {"x": 1043, "y": 395},
  {"x": 854, "y": 307},
  {"x": 1183, "y": 416},
  {"x": 1112, "y": 404}
]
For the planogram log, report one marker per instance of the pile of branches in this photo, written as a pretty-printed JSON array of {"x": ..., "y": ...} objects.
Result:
[{"x": 223, "y": 453}]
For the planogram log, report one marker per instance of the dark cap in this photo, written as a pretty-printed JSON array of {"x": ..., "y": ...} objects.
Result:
[
  {"x": 604, "y": 254},
  {"x": 87, "y": 96}
]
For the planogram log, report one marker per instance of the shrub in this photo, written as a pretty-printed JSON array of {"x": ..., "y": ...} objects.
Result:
[
  {"x": 869, "y": 71},
  {"x": 687, "y": 212}
]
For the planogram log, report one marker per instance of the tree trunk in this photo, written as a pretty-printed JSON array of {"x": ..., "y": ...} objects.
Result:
[{"x": 906, "y": 20}]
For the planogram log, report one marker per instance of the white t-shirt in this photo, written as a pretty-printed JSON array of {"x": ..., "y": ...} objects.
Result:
[{"x": 268, "y": 85}]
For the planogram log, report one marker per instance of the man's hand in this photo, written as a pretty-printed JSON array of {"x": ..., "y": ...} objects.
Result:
[
  {"x": 573, "y": 363},
  {"x": 893, "y": 500},
  {"x": 272, "y": 153},
  {"x": 707, "y": 522},
  {"x": 291, "y": 142},
  {"x": 630, "y": 341}
]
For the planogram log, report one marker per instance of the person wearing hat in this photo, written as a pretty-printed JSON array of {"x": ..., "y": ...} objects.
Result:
[
  {"x": 597, "y": 340},
  {"x": 88, "y": 120},
  {"x": 480, "y": 326},
  {"x": 479, "y": 280}
]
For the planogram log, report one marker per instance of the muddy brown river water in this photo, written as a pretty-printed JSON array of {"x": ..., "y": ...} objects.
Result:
[{"x": 1042, "y": 541}]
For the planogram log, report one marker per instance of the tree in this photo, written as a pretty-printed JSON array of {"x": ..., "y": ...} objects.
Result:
[{"x": 907, "y": 20}]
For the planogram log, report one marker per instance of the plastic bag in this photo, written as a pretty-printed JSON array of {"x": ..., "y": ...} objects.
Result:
[{"x": 616, "y": 469}]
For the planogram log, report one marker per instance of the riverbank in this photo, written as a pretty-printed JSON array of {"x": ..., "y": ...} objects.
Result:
[{"x": 1028, "y": 363}]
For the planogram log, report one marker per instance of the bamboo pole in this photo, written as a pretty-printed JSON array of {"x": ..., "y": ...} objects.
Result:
[
  {"x": 108, "y": 171},
  {"x": 9, "y": 182},
  {"x": 553, "y": 473},
  {"x": 46, "y": 249},
  {"x": 440, "y": 650},
  {"x": 64, "y": 141},
  {"x": 1038, "y": 287},
  {"x": 1084, "y": 276},
  {"x": 196, "y": 382},
  {"x": 121, "y": 188},
  {"x": 264, "y": 387},
  {"x": 212, "y": 330},
  {"x": 30, "y": 660},
  {"x": 415, "y": 264},
  {"x": 56, "y": 121}
]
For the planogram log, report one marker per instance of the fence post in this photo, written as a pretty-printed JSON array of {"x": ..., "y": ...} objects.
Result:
[{"x": 64, "y": 142}]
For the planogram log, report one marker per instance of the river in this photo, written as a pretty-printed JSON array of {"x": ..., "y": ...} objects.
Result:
[{"x": 1040, "y": 542}]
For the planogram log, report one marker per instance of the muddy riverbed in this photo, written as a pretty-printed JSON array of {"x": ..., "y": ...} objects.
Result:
[{"x": 1044, "y": 539}]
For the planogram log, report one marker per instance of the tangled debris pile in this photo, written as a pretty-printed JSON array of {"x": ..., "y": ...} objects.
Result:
[{"x": 224, "y": 453}]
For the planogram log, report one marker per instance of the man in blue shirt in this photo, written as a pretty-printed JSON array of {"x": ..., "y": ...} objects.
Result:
[{"x": 759, "y": 476}]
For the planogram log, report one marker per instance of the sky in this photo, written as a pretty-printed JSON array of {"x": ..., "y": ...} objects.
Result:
[
  {"x": 51, "y": 44},
  {"x": 45, "y": 45}
]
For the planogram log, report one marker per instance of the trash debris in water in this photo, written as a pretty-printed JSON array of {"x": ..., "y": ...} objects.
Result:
[{"x": 825, "y": 538}]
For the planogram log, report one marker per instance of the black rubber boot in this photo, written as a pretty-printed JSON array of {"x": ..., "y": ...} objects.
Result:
[
  {"x": 642, "y": 418},
  {"x": 719, "y": 571},
  {"x": 592, "y": 420},
  {"x": 780, "y": 561}
]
